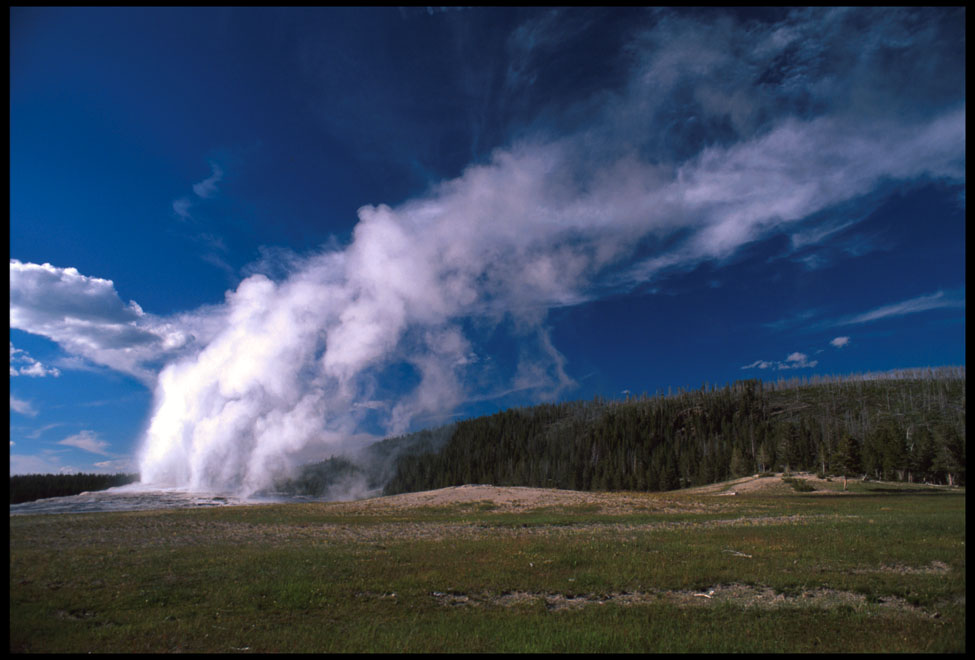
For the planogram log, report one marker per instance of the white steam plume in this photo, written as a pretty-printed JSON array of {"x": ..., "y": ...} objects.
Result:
[{"x": 300, "y": 363}]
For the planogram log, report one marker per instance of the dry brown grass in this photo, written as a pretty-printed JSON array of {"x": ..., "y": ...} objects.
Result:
[{"x": 516, "y": 499}]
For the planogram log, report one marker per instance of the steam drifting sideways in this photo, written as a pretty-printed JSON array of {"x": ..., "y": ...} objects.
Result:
[{"x": 296, "y": 367}]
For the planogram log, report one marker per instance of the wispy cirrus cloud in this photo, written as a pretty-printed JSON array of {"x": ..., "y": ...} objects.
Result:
[
  {"x": 36, "y": 433},
  {"x": 181, "y": 207},
  {"x": 52, "y": 460},
  {"x": 88, "y": 441},
  {"x": 951, "y": 299},
  {"x": 798, "y": 319},
  {"x": 792, "y": 172},
  {"x": 816, "y": 235},
  {"x": 45, "y": 462},
  {"x": 22, "y": 407},
  {"x": 208, "y": 187},
  {"x": 214, "y": 246},
  {"x": 205, "y": 189},
  {"x": 937, "y": 300},
  {"x": 117, "y": 465}
]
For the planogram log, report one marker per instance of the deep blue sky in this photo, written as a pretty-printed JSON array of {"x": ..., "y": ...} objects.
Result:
[{"x": 244, "y": 236}]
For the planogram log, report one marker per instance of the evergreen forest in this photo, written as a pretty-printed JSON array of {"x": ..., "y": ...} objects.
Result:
[{"x": 899, "y": 426}]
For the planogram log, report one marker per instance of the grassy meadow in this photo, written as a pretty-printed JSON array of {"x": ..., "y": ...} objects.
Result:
[{"x": 878, "y": 569}]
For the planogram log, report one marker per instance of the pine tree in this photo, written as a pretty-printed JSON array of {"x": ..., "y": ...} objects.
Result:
[
  {"x": 949, "y": 457},
  {"x": 739, "y": 464},
  {"x": 764, "y": 457},
  {"x": 846, "y": 458}
]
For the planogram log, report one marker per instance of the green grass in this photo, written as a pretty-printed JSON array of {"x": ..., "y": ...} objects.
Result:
[{"x": 306, "y": 577}]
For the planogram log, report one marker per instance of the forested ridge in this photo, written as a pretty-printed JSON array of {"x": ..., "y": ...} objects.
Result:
[{"x": 907, "y": 425}]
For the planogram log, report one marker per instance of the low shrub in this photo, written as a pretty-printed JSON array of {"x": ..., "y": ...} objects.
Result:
[{"x": 799, "y": 485}]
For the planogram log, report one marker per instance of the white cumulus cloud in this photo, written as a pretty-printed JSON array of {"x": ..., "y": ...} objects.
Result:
[
  {"x": 794, "y": 360},
  {"x": 22, "y": 364},
  {"x": 87, "y": 318}
]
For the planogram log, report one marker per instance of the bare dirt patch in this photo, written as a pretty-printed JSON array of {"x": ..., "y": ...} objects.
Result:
[
  {"x": 771, "y": 485},
  {"x": 518, "y": 498}
]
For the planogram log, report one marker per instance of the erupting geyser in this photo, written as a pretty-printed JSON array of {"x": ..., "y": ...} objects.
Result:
[{"x": 296, "y": 368}]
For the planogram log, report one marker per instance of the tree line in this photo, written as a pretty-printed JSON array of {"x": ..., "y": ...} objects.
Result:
[
  {"x": 898, "y": 426},
  {"x": 29, "y": 487}
]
